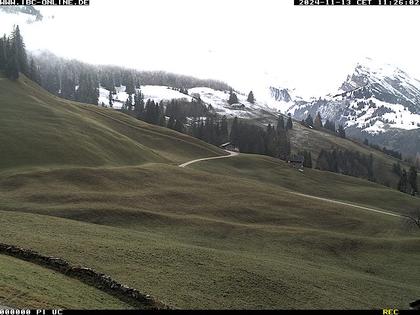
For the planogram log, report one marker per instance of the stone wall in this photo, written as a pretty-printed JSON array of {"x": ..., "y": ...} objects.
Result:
[{"x": 88, "y": 276}]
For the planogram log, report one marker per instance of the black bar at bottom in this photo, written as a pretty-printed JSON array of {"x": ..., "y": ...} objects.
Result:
[{"x": 145, "y": 312}]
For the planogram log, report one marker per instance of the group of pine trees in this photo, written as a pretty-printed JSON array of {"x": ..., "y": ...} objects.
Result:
[
  {"x": 183, "y": 109},
  {"x": 385, "y": 150},
  {"x": 150, "y": 111},
  {"x": 190, "y": 117},
  {"x": 328, "y": 125},
  {"x": 273, "y": 141},
  {"x": 346, "y": 162},
  {"x": 87, "y": 90},
  {"x": 198, "y": 120},
  {"x": 211, "y": 129},
  {"x": 63, "y": 77},
  {"x": 13, "y": 58},
  {"x": 182, "y": 90},
  {"x": 233, "y": 98},
  {"x": 408, "y": 180}
]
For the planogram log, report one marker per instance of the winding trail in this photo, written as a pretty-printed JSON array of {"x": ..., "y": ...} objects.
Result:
[
  {"x": 231, "y": 154},
  {"x": 349, "y": 204}
]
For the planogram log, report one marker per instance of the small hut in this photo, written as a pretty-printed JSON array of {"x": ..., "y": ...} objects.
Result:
[
  {"x": 297, "y": 161},
  {"x": 229, "y": 147}
]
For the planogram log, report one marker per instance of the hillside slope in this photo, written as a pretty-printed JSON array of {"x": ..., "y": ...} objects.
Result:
[
  {"x": 314, "y": 140},
  {"x": 40, "y": 130},
  {"x": 303, "y": 138},
  {"x": 225, "y": 234}
]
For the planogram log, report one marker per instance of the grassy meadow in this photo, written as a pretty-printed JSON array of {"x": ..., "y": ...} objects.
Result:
[{"x": 226, "y": 233}]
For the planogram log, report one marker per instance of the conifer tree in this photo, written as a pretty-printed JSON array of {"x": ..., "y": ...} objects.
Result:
[
  {"x": 272, "y": 143},
  {"x": 3, "y": 54},
  {"x": 289, "y": 124},
  {"x": 138, "y": 102},
  {"x": 234, "y": 132},
  {"x": 318, "y": 121},
  {"x": 403, "y": 182},
  {"x": 110, "y": 99},
  {"x": 179, "y": 126},
  {"x": 284, "y": 145},
  {"x": 171, "y": 122},
  {"x": 341, "y": 131},
  {"x": 396, "y": 168},
  {"x": 251, "y": 97},
  {"x": 52, "y": 83},
  {"x": 12, "y": 67},
  {"x": 68, "y": 85},
  {"x": 161, "y": 115},
  {"x": 224, "y": 132},
  {"x": 130, "y": 86},
  {"x": 34, "y": 72},
  {"x": 88, "y": 91},
  {"x": 329, "y": 125},
  {"x": 309, "y": 162},
  {"x": 280, "y": 123},
  {"x": 19, "y": 50},
  {"x": 233, "y": 98},
  {"x": 309, "y": 120},
  {"x": 129, "y": 103},
  {"x": 412, "y": 180}
]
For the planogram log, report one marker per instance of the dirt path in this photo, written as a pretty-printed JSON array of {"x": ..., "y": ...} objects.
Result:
[
  {"x": 348, "y": 204},
  {"x": 231, "y": 154}
]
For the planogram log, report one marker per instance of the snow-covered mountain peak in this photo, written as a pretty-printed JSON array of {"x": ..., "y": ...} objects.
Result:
[
  {"x": 371, "y": 66},
  {"x": 374, "y": 98},
  {"x": 389, "y": 77}
]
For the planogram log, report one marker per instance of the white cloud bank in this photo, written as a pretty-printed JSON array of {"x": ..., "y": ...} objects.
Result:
[{"x": 243, "y": 42}]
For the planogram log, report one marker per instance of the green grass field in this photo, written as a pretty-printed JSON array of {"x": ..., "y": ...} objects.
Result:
[
  {"x": 40, "y": 130},
  {"x": 226, "y": 233}
]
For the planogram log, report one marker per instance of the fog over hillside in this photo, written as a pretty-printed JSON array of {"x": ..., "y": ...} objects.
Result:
[{"x": 246, "y": 43}]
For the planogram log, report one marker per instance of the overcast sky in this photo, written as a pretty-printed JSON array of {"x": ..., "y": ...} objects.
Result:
[{"x": 246, "y": 43}]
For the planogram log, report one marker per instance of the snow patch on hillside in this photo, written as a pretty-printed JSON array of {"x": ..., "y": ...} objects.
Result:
[
  {"x": 159, "y": 93},
  {"x": 155, "y": 93},
  {"x": 218, "y": 100},
  {"x": 264, "y": 101},
  {"x": 392, "y": 116}
]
